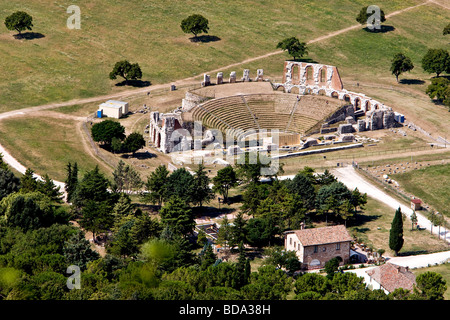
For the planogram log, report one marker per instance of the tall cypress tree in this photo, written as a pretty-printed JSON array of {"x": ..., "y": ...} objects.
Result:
[{"x": 396, "y": 232}]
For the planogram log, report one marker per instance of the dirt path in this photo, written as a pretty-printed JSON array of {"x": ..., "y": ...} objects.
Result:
[{"x": 352, "y": 180}]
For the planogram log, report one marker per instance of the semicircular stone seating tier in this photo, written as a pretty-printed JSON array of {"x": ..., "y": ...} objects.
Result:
[{"x": 282, "y": 112}]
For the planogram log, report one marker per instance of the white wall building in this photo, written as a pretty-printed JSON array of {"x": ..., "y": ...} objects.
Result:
[{"x": 114, "y": 108}]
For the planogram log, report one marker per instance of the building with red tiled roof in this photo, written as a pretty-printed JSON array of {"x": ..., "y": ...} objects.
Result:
[
  {"x": 315, "y": 246},
  {"x": 390, "y": 276},
  {"x": 416, "y": 204}
]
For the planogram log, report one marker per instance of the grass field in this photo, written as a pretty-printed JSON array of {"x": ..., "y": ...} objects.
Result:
[
  {"x": 61, "y": 64},
  {"x": 373, "y": 227},
  {"x": 430, "y": 184}
]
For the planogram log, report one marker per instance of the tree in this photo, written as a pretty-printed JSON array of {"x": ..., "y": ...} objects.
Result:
[
  {"x": 224, "y": 181},
  {"x": 126, "y": 70},
  {"x": 25, "y": 213},
  {"x": 201, "y": 192},
  {"x": 195, "y": 24},
  {"x": 436, "y": 61},
  {"x": 358, "y": 199},
  {"x": 260, "y": 232},
  {"x": 446, "y": 30},
  {"x": 19, "y": 21},
  {"x": 396, "y": 232},
  {"x": 331, "y": 266},
  {"x": 134, "y": 142},
  {"x": 179, "y": 184},
  {"x": 177, "y": 215},
  {"x": 439, "y": 89},
  {"x": 48, "y": 188},
  {"x": 28, "y": 182},
  {"x": 126, "y": 178},
  {"x": 71, "y": 180},
  {"x": 93, "y": 186},
  {"x": 293, "y": 46},
  {"x": 106, "y": 130},
  {"x": 413, "y": 218},
  {"x": 157, "y": 185},
  {"x": 9, "y": 183},
  {"x": 400, "y": 64},
  {"x": 431, "y": 285},
  {"x": 303, "y": 186},
  {"x": 96, "y": 217},
  {"x": 363, "y": 17},
  {"x": 77, "y": 250}
]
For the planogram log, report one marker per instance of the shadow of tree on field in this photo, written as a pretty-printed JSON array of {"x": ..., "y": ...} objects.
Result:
[
  {"x": 29, "y": 36},
  {"x": 205, "y": 38},
  {"x": 411, "y": 81},
  {"x": 383, "y": 29},
  {"x": 134, "y": 83}
]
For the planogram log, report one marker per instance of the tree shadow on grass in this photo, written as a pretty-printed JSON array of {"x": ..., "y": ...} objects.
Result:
[
  {"x": 134, "y": 83},
  {"x": 307, "y": 60},
  {"x": 362, "y": 219},
  {"x": 383, "y": 29},
  {"x": 205, "y": 38},
  {"x": 29, "y": 36},
  {"x": 411, "y": 81}
]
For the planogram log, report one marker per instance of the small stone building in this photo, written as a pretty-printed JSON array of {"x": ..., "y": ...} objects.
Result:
[
  {"x": 315, "y": 246},
  {"x": 113, "y": 108},
  {"x": 416, "y": 204}
]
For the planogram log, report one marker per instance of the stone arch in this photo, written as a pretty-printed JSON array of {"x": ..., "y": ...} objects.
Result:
[
  {"x": 335, "y": 94},
  {"x": 280, "y": 88},
  {"x": 295, "y": 72},
  {"x": 321, "y": 92},
  {"x": 357, "y": 103},
  {"x": 314, "y": 263},
  {"x": 158, "y": 142},
  {"x": 323, "y": 74},
  {"x": 308, "y": 91},
  {"x": 366, "y": 106},
  {"x": 295, "y": 90},
  {"x": 309, "y": 74},
  {"x": 346, "y": 97}
]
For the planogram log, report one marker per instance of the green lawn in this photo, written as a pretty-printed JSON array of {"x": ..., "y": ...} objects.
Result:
[
  {"x": 373, "y": 225},
  {"x": 63, "y": 64},
  {"x": 430, "y": 184}
]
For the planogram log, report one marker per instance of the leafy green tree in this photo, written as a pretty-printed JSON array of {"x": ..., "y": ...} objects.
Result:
[
  {"x": 9, "y": 183},
  {"x": 400, "y": 64},
  {"x": 260, "y": 231},
  {"x": 267, "y": 284},
  {"x": 133, "y": 142},
  {"x": 96, "y": 216},
  {"x": 179, "y": 184},
  {"x": 177, "y": 215},
  {"x": 396, "y": 233},
  {"x": 126, "y": 70},
  {"x": 358, "y": 199},
  {"x": 123, "y": 244},
  {"x": 106, "y": 130},
  {"x": 413, "y": 219},
  {"x": 436, "y": 61},
  {"x": 303, "y": 186},
  {"x": 207, "y": 257},
  {"x": 293, "y": 46},
  {"x": 29, "y": 182},
  {"x": 252, "y": 197},
  {"x": 195, "y": 24},
  {"x": 157, "y": 185},
  {"x": 439, "y": 89},
  {"x": 19, "y": 21},
  {"x": 71, "y": 180},
  {"x": 280, "y": 258},
  {"x": 145, "y": 228},
  {"x": 126, "y": 178},
  {"x": 93, "y": 186},
  {"x": 331, "y": 266},
  {"x": 310, "y": 282},
  {"x": 331, "y": 198},
  {"x": 48, "y": 188},
  {"x": 26, "y": 214},
  {"x": 251, "y": 166},
  {"x": 446, "y": 30},
  {"x": 431, "y": 285},
  {"x": 242, "y": 269},
  {"x": 77, "y": 251},
  {"x": 323, "y": 179},
  {"x": 201, "y": 191},
  {"x": 363, "y": 16},
  {"x": 225, "y": 180}
]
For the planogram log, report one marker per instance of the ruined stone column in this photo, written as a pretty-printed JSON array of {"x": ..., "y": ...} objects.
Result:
[
  {"x": 206, "y": 80},
  {"x": 246, "y": 75},
  {"x": 220, "y": 78},
  {"x": 233, "y": 77},
  {"x": 259, "y": 75}
]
